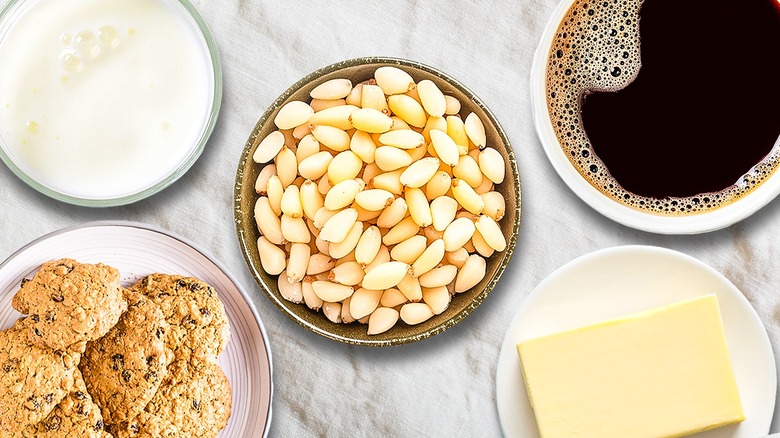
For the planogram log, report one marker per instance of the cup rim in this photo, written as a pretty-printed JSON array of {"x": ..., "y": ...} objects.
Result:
[
  {"x": 187, "y": 162},
  {"x": 704, "y": 222}
]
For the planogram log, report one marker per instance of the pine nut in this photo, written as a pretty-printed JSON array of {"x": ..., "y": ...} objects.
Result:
[
  {"x": 271, "y": 256},
  {"x": 453, "y": 105},
  {"x": 269, "y": 147},
  {"x": 390, "y": 158},
  {"x": 314, "y": 166},
  {"x": 437, "y": 298},
  {"x": 468, "y": 170},
  {"x": 374, "y": 199},
  {"x": 291, "y": 202},
  {"x": 393, "y": 214},
  {"x": 439, "y": 185},
  {"x": 363, "y": 302},
  {"x": 338, "y": 226},
  {"x": 348, "y": 274},
  {"x": 481, "y": 246},
  {"x": 298, "y": 262},
  {"x": 492, "y": 165},
  {"x": 458, "y": 233},
  {"x": 429, "y": 259},
  {"x": 332, "y": 89},
  {"x": 371, "y": 120},
  {"x": 491, "y": 232},
  {"x": 457, "y": 131},
  {"x": 289, "y": 291},
  {"x": 471, "y": 274},
  {"x": 415, "y": 313},
  {"x": 261, "y": 183},
  {"x": 321, "y": 104},
  {"x": 332, "y": 311},
  {"x": 466, "y": 196},
  {"x": 392, "y": 297},
  {"x": 445, "y": 147},
  {"x": 443, "y": 211},
  {"x": 331, "y": 292},
  {"x": 343, "y": 194},
  {"x": 402, "y": 231},
  {"x": 408, "y": 109},
  {"x": 319, "y": 263},
  {"x": 346, "y": 165},
  {"x": 432, "y": 98},
  {"x": 311, "y": 199},
  {"x": 440, "y": 276},
  {"x": 458, "y": 257},
  {"x": 393, "y": 80},
  {"x": 381, "y": 320},
  {"x": 335, "y": 116},
  {"x": 390, "y": 181},
  {"x": 410, "y": 287},
  {"x": 332, "y": 137},
  {"x": 340, "y": 250},
  {"x": 292, "y": 114},
  {"x": 368, "y": 245},
  {"x": 294, "y": 229},
  {"x": 420, "y": 172},
  {"x": 475, "y": 130},
  {"x": 286, "y": 166},
  {"x": 495, "y": 206},
  {"x": 409, "y": 250},
  {"x": 402, "y": 139},
  {"x": 373, "y": 97},
  {"x": 385, "y": 276},
  {"x": 268, "y": 222},
  {"x": 309, "y": 297}
]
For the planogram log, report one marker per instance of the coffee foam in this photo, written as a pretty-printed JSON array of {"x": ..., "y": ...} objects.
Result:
[{"x": 597, "y": 48}]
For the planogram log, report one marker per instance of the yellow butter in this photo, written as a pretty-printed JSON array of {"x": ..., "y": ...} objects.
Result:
[{"x": 664, "y": 372}]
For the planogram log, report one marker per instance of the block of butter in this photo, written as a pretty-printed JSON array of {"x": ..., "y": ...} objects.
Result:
[{"x": 664, "y": 372}]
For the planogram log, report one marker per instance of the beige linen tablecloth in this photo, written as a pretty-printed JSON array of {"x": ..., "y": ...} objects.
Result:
[{"x": 444, "y": 386}]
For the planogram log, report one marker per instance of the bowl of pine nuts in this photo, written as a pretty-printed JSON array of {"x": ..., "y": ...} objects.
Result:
[{"x": 377, "y": 202}]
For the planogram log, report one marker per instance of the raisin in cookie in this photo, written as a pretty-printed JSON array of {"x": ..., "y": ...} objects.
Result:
[
  {"x": 193, "y": 401},
  {"x": 77, "y": 416},
  {"x": 124, "y": 369},
  {"x": 198, "y": 323},
  {"x": 70, "y": 303},
  {"x": 33, "y": 380}
]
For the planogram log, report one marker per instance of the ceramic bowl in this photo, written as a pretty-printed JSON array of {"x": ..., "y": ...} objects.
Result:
[{"x": 358, "y": 70}]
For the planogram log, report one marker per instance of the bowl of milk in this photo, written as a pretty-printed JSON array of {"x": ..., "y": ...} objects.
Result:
[{"x": 105, "y": 102}]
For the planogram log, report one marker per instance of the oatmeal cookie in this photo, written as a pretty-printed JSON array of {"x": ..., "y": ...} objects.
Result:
[
  {"x": 33, "y": 380},
  {"x": 198, "y": 324},
  {"x": 77, "y": 416},
  {"x": 70, "y": 303},
  {"x": 193, "y": 401},
  {"x": 124, "y": 369}
]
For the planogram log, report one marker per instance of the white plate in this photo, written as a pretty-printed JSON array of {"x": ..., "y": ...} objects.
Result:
[
  {"x": 624, "y": 280},
  {"x": 137, "y": 250}
]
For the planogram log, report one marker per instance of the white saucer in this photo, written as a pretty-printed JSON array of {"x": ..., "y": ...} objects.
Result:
[{"x": 624, "y": 280}]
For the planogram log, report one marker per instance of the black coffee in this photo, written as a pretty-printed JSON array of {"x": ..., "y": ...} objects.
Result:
[{"x": 692, "y": 129}]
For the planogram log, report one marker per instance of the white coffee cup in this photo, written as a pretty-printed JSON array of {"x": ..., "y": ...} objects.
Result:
[{"x": 710, "y": 220}]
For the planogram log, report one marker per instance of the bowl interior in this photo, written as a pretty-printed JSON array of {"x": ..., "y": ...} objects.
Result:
[{"x": 358, "y": 70}]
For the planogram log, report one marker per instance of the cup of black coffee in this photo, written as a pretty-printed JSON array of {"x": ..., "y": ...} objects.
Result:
[{"x": 663, "y": 115}]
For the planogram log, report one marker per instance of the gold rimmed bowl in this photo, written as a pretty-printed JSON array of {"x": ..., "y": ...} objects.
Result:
[{"x": 462, "y": 304}]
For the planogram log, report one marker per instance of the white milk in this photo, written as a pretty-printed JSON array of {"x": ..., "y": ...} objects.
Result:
[{"x": 103, "y": 98}]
